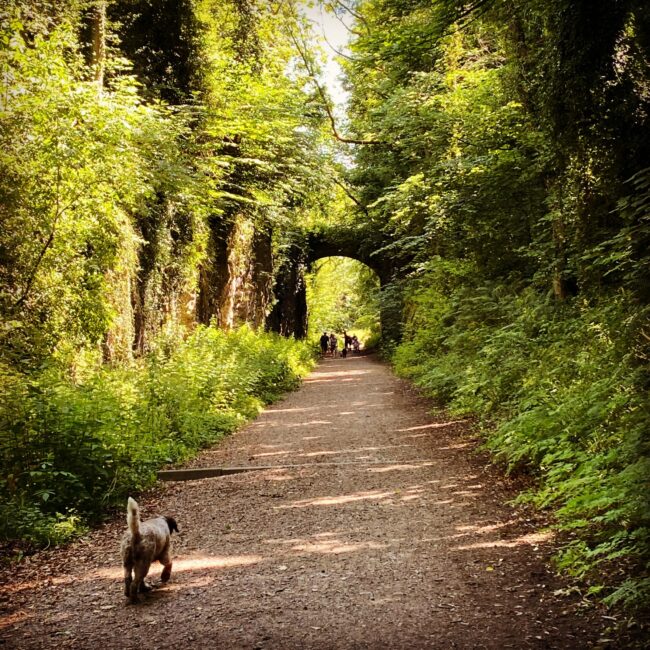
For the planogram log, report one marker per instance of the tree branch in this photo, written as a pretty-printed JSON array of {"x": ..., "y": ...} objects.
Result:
[
  {"x": 349, "y": 29},
  {"x": 48, "y": 243},
  {"x": 470, "y": 9},
  {"x": 325, "y": 100},
  {"x": 351, "y": 196},
  {"x": 353, "y": 13},
  {"x": 32, "y": 277},
  {"x": 337, "y": 52}
]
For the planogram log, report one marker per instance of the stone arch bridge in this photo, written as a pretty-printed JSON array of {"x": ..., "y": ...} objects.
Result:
[{"x": 289, "y": 315}]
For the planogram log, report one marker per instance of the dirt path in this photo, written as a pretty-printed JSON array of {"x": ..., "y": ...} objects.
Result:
[{"x": 377, "y": 527}]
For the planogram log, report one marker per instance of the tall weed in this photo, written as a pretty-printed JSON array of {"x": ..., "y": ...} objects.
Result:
[{"x": 70, "y": 447}]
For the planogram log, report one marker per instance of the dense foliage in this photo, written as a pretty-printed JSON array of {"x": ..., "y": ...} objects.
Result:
[
  {"x": 169, "y": 163},
  {"x": 154, "y": 160},
  {"x": 343, "y": 296},
  {"x": 75, "y": 442},
  {"x": 507, "y": 179}
]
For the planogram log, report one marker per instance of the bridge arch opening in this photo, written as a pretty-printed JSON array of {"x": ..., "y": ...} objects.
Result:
[{"x": 343, "y": 295}]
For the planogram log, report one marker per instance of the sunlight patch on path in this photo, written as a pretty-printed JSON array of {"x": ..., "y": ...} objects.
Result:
[
  {"x": 532, "y": 539},
  {"x": 434, "y": 425},
  {"x": 402, "y": 467},
  {"x": 338, "y": 500},
  {"x": 192, "y": 563},
  {"x": 7, "y": 620}
]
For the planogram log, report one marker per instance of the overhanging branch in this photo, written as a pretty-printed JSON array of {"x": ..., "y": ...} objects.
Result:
[
  {"x": 325, "y": 100},
  {"x": 351, "y": 196}
]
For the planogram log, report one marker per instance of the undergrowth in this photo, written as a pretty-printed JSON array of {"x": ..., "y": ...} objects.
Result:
[
  {"x": 562, "y": 395},
  {"x": 74, "y": 442}
]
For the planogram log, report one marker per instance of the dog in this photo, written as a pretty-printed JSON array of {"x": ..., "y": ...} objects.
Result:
[{"x": 143, "y": 543}]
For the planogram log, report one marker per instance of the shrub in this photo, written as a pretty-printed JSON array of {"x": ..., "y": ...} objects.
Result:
[{"x": 70, "y": 448}]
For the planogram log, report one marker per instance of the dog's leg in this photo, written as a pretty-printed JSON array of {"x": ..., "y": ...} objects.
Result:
[
  {"x": 128, "y": 579},
  {"x": 167, "y": 572},
  {"x": 127, "y": 563},
  {"x": 133, "y": 591},
  {"x": 166, "y": 561},
  {"x": 138, "y": 585}
]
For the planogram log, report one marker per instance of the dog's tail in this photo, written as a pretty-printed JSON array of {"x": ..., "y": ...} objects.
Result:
[{"x": 133, "y": 518}]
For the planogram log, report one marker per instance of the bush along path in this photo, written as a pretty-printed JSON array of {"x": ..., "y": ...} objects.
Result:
[{"x": 367, "y": 523}]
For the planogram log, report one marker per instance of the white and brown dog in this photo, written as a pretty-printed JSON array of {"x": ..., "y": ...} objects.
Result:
[{"x": 143, "y": 543}]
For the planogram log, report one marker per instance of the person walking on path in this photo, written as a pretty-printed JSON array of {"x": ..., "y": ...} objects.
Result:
[
  {"x": 333, "y": 344},
  {"x": 324, "y": 343}
]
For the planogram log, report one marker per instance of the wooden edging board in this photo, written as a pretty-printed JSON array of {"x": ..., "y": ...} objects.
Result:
[{"x": 196, "y": 473}]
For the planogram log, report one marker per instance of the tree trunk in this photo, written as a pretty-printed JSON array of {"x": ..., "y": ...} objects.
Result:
[
  {"x": 289, "y": 314},
  {"x": 98, "y": 24}
]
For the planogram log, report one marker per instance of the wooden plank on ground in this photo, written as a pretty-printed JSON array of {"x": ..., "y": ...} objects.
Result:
[{"x": 195, "y": 473}]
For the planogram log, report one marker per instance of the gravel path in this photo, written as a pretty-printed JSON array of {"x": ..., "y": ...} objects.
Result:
[{"x": 376, "y": 526}]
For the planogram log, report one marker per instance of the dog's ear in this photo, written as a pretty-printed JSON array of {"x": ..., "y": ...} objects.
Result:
[{"x": 171, "y": 522}]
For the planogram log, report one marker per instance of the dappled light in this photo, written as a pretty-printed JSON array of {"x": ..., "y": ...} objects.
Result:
[
  {"x": 357, "y": 291},
  {"x": 192, "y": 563},
  {"x": 335, "y": 374},
  {"x": 338, "y": 521},
  {"x": 197, "y": 563},
  {"x": 270, "y": 411},
  {"x": 432, "y": 425},
  {"x": 271, "y": 453},
  {"x": 399, "y": 467},
  {"x": 478, "y": 529},
  {"x": 214, "y": 562},
  {"x": 357, "y": 450},
  {"x": 7, "y": 620},
  {"x": 361, "y": 453},
  {"x": 532, "y": 539},
  {"x": 375, "y": 495},
  {"x": 309, "y": 423},
  {"x": 335, "y": 546},
  {"x": 280, "y": 474},
  {"x": 465, "y": 493},
  {"x": 28, "y": 585},
  {"x": 325, "y": 543},
  {"x": 330, "y": 380}
]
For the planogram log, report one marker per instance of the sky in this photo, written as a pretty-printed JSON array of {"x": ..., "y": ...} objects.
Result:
[{"x": 328, "y": 26}]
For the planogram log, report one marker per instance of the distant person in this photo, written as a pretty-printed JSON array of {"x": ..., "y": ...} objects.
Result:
[
  {"x": 355, "y": 344},
  {"x": 324, "y": 343},
  {"x": 347, "y": 341},
  {"x": 334, "y": 343}
]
